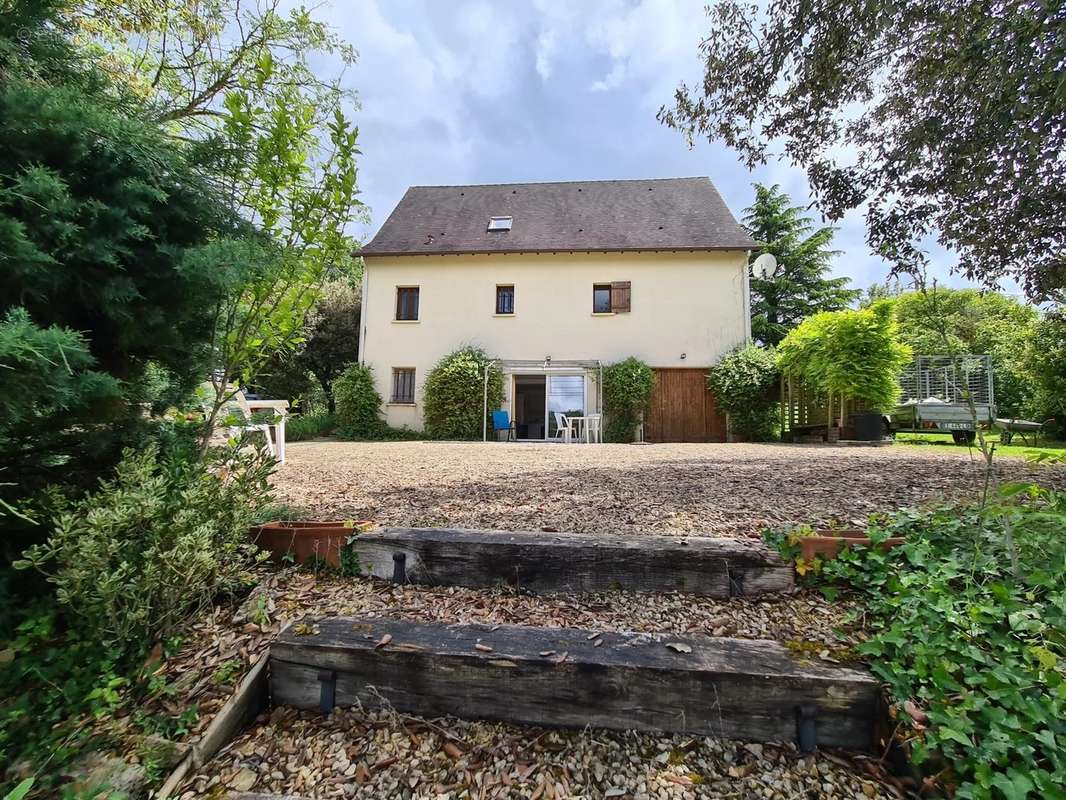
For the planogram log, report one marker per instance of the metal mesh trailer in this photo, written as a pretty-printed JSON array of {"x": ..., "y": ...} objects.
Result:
[{"x": 937, "y": 392}]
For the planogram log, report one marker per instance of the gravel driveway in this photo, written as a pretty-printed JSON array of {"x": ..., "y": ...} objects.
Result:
[{"x": 717, "y": 489}]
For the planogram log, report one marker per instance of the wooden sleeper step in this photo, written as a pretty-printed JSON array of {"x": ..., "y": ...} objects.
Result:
[
  {"x": 568, "y": 562},
  {"x": 565, "y": 677}
]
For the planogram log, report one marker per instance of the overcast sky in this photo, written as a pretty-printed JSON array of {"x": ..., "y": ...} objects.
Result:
[{"x": 496, "y": 92}]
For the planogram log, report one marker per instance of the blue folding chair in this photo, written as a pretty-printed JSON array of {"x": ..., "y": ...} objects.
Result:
[{"x": 501, "y": 421}]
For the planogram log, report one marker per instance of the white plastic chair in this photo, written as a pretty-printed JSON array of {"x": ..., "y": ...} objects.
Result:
[
  {"x": 593, "y": 432},
  {"x": 273, "y": 432},
  {"x": 563, "y": 425}
]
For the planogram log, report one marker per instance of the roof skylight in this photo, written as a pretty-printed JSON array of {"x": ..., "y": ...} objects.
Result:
[{"x": 500, "y": 223}]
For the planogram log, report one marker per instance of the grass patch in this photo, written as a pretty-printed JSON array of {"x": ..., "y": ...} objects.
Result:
[{"x": 942, "y": 443}]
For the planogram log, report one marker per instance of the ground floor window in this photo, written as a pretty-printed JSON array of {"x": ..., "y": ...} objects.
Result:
[
  {"x": 505, "y": 299},
  {"x": 403, "y": 385}
]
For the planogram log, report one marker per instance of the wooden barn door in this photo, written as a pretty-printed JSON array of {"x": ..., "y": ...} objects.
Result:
[{"x": 683, "y": 409}]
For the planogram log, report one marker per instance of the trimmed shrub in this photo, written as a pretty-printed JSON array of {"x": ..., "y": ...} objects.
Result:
[
  {"x": 358, "y": 404},
  {"x": 453, "y": 398},
  {"x": 627, "y": 387},
  {"x": 743, "y": 383}
]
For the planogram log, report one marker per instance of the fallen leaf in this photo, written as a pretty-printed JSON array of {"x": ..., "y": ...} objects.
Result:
[
  {"x": 915, "y": 713},
  {"x": 452, "y": 750},
  {"x": 680, "y": 780},
  {"x": 484, "y": 648},
  {"x": 384, "y": 640},
  {"x": 546, "y": 653},
  {"x": 679, "y": 647},
  {"x": 500, "y": 662}
]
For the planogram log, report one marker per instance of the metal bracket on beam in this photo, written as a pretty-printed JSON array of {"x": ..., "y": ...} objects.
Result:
[
  {"x": 736, "y": 581},
  {"x": 399, "y": 567},
  {"x": 807, "y": 728},
  {"x": 327, "y": 693}
]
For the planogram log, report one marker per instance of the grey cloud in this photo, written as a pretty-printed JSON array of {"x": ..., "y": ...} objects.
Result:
[{"x": 473, "y": 92}]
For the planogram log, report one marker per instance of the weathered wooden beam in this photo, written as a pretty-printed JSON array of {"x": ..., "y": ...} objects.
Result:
[
  {"x": 565, "y": 677},
  {"x": 568, "y": 562}
]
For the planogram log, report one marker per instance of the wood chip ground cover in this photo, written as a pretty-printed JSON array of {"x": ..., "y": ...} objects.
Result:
[
  {"x": 716, "y": 489},
  {"x": 354, "y": 754}
]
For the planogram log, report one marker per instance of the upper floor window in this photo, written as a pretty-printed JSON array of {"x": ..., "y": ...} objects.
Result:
[
  {"x": 611, "y": 297},
  {"x": 505, "y": 299},
  {"x": 407, "y": 303},
  {"x": 601, "y": 298}
]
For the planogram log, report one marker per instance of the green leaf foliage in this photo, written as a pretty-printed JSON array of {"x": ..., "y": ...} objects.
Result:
[
  {"x": 980, "y": 653},
  {"x": 1045, "y": 368},
  {"x": 745, "y": 383},
  {"x": 154, "y": 543},
  {"x": 55, "y": 680},
  {"x": 98, "y": 210},
  {"x": 854, "y": 354},
  {"x": 627, "y": 388},
  {"x": 332, "y": 335},
  {"x": 938, "y": 120},
  {"x": 453, "y": 403},
  {"x": 799, "y": 286}
]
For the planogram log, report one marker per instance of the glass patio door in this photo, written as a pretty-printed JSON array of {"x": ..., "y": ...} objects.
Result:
[{"x": 566, "y": 395}]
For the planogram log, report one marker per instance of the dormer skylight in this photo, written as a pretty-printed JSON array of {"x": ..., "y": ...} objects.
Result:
[{"x": 500, "y": 223}]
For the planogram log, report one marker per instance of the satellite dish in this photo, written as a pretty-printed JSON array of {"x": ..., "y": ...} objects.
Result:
[{"x": 764, "y": 266}]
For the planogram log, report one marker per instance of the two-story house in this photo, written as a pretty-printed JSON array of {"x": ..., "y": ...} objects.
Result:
[{"x": 557, "y": 280}]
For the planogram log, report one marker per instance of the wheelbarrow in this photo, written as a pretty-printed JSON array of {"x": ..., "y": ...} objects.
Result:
[{"x": 1021, "y": 427}]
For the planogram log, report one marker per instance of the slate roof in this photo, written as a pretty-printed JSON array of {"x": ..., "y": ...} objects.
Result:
[{"x": 663, "y": 214}]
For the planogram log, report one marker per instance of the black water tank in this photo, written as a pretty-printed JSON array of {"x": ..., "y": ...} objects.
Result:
[{"x": 868, "y": 425}]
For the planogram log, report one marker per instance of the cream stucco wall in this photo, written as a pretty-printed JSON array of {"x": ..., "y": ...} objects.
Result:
[{"x": 682, "y": 303}]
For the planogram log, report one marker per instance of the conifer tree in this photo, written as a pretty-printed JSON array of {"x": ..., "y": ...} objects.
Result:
[{"x": 799, "y": 286}]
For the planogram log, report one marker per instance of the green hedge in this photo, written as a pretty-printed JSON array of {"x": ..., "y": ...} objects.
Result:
[
  {"x": 301, "y": 427},
  {"x": 627, "y": 387},
  {"x": 743, "y": 383},
  {"x": 453, "y": 396},
  {"x": 358, "y": 403}
]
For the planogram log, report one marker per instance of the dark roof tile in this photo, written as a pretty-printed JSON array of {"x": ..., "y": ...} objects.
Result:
[{"x": 665, "y": 214}]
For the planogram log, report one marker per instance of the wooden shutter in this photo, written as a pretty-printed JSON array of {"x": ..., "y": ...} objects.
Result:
[{"x": 620, "y": 296}]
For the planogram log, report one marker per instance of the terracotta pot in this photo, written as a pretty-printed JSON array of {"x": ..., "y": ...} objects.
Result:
[
  {"x": 826, "y": 543},
  {"x": 304, "y": 540}
]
